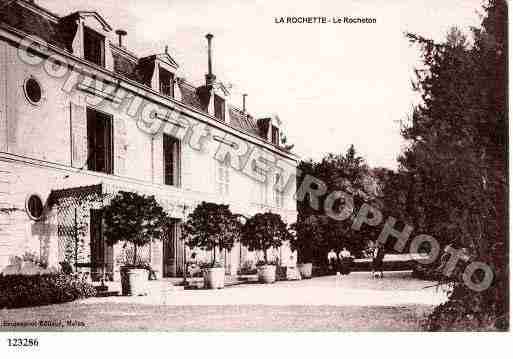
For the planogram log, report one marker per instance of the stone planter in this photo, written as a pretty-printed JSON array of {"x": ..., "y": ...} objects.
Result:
[
  {"x": 213, "y": 278},
  {"x": 134, "y": 281},
  {"x": 305, "y": 269},
  {"x": 267, "y": 274}
]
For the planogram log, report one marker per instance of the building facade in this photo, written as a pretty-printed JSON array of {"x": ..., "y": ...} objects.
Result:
[{"x": 83, "y": 117}]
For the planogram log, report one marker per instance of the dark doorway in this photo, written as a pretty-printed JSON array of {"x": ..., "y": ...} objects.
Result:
[
  {"x": 172, "y": 250},
  {"x": 101, "y": 254}
]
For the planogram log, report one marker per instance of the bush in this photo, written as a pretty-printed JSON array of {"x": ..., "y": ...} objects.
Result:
[
  {"x": 466, "y": 310},
  {"x": 264, "y": 231},
  {"x": 17, "y": 291}
]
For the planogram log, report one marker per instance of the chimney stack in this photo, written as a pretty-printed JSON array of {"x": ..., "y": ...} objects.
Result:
[
  {"x": 120, "y": 34},
  {"x": 244, "y": 102},
  {"x": 210, "y": 77}
]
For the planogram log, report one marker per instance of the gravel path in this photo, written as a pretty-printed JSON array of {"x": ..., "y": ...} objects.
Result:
[{"x": 355, "y": 302}]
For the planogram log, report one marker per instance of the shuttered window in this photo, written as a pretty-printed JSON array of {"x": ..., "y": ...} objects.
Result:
[
  {"x": 99, "y": 142},
  {"x": 278, "y": 190},
  {"x": 223, "y": 178}
]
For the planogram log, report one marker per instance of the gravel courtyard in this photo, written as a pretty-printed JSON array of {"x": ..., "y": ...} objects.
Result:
[{"x": 354, "y": 302}]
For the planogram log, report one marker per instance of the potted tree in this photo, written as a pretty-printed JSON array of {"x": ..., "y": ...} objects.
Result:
[
  {"x": 305, "y": 235},
  {"x": 212, "y": 227},
  {"x": 137, "y": 220},
  {"x": 262, "y": 232}
]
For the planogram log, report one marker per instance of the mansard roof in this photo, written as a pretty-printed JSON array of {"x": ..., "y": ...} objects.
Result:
[
  {"x": 34, "y": 20},
  {"x": 243, "y": 121}
]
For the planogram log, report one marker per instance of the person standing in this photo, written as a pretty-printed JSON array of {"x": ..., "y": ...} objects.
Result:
[
  {"x": 345, "y": 260},
  {"x": 377, "y": 261},
  {"x": 332, "y": 260}
]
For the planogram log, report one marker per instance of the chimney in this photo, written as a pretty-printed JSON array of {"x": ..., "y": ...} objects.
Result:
[
  {"x": 210, "y": 77},
  {"x": 244, "y": 102},
  {"x": 120, "y": 34}
]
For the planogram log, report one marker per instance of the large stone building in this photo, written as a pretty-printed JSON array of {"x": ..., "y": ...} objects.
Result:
[{"x": 83, "y": 117}]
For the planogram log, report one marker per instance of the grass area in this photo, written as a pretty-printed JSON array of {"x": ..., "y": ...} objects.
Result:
[{"x": 133, "y": 317}]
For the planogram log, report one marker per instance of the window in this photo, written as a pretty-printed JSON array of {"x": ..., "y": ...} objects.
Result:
[
  {"x": 219, "y": 107},
  {"x": 263, "y": 192},
  {"x": 94, "y": 47},
  {"x": 171, "y": 161},
  {"x": 223, "y": 178},
  {"x": 99, "y": 142},
  {"x": 33, "y": 90},
  {"x": 275, "y": 135},
  {"x": 34, "y": 207},
  {"x": 278, "y": 190},
  {"x": 262, "y": 186},
  {"x": 166, "y": 80}
]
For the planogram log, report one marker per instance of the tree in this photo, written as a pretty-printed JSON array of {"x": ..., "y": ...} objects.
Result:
[
  {"x": 455, "y": 168},
  {"x": 306, "y": 238},
  {"x": 134, "y": 218},
  {"x": 211, "y": 226},
  {"x": 264, "y": 231}
]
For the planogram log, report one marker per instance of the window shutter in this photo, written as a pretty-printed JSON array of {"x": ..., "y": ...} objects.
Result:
[
  {"x": 185, "y": 165},
  {"x": 158, "y": 159},
  {"x": 120, "y": 146},
  {"x": 78, "y": 136}
]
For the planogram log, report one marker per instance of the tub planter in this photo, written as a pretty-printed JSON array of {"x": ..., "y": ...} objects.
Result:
[
  {"x": 134, "y": 281},
  {"x": 213, "y": 278},
  {"x": 305, "y": 269},
  {"x": 267, "y": 273}
]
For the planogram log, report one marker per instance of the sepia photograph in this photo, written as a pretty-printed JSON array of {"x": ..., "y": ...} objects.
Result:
[{"x": 253, "y": 166}]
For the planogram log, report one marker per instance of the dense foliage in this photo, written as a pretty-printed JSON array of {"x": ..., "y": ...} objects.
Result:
[
  {"x": 18, "y": 291},
  {"x": 317, "y": 232},
  {"x": 264, "y": 231},
  {"x": 452, "y": 182},
  {"x": 134, "y": 218},
  {"x": 211, "y": 226}
]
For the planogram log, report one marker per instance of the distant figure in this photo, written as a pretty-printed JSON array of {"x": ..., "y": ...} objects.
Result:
[
  {"x": 377, "y": 261},
  {"x": 332, "y": 260},
  {"x": 344, "y": 258}
]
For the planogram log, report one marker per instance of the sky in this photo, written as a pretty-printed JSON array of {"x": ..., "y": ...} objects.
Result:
[{"x": 332, "y": 85}]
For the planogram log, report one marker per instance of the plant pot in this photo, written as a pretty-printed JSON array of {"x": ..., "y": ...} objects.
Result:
[
  {"x": 267, "y": 274},
  {"x": 213, "y": 278},
  {"x": 305, "y": 269},
  {"x": 134, "y": 281}
]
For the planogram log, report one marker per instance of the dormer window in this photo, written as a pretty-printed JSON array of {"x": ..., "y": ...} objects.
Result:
[
  {"x": 275, "y": 135},
  {"x": 166, "y": 82},
  {"x": 94, "y": 47},
  {"x": 219, "y": 108}
]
